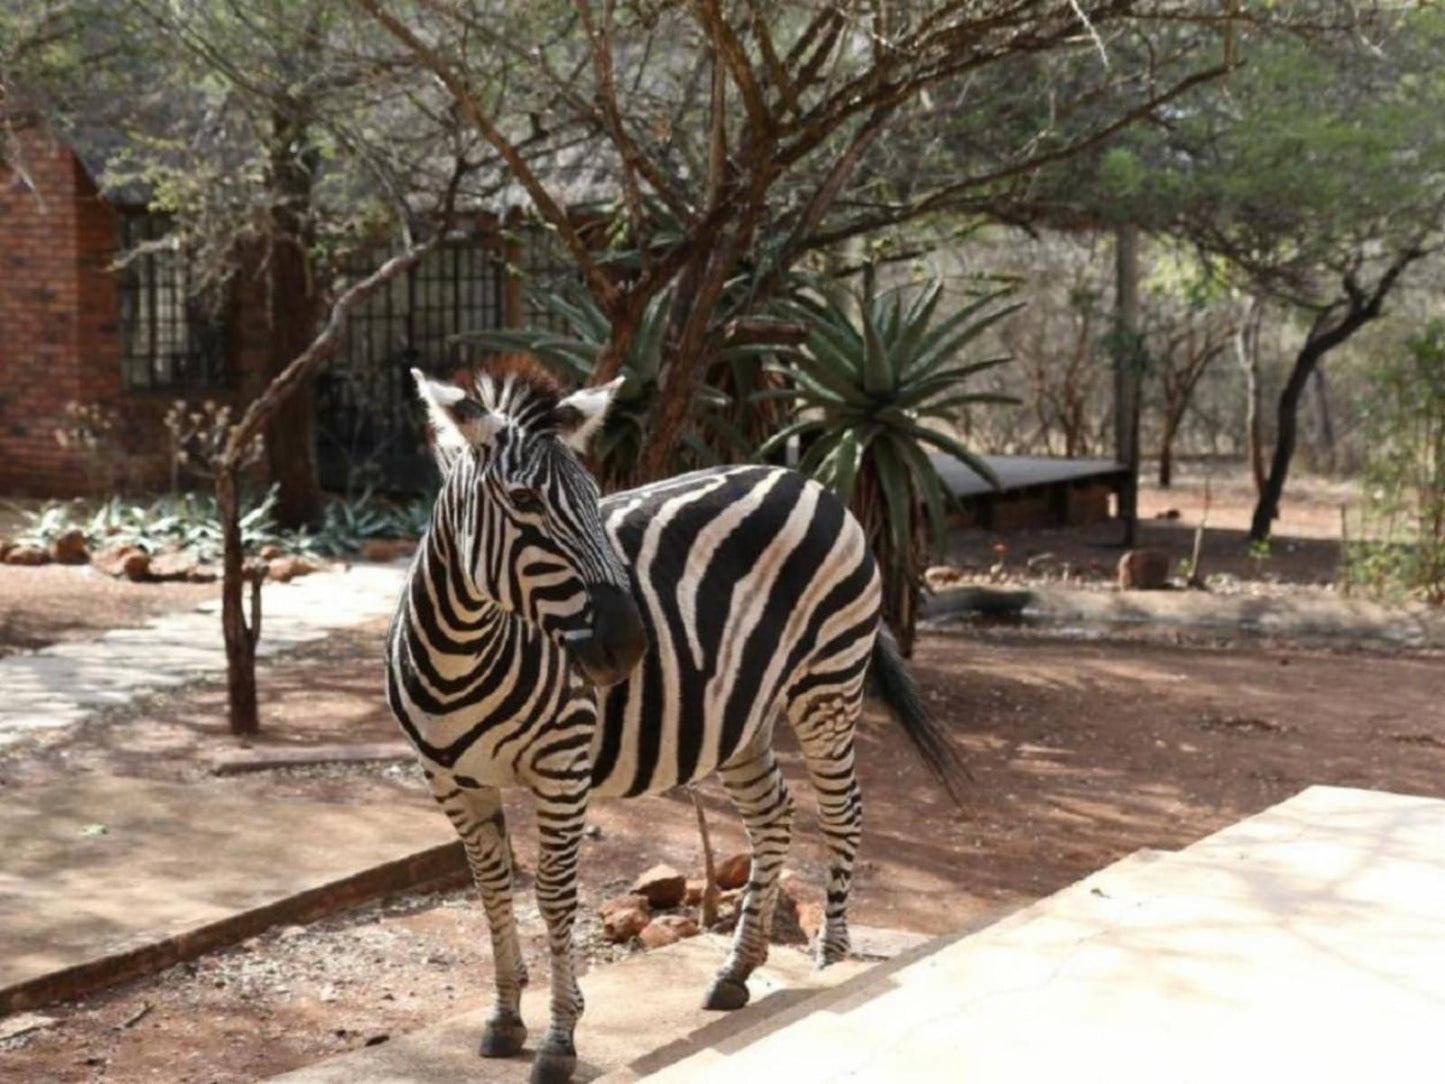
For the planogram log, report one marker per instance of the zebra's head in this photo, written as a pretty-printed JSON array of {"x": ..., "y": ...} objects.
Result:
[{"x": 518, "y": 512}]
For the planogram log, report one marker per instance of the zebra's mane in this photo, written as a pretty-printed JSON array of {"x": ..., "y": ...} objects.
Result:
[{"x": 517, "y": 387}]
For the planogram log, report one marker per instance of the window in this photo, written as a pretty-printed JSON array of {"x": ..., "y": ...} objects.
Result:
[
  {"x": 170, "y": 338},
  {"x": 366, "y": 405}
]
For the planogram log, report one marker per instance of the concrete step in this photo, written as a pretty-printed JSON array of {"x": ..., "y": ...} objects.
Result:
[
  {"x": 702, "y": 1051},
  {"x": 1306, "y": 943},
  {"x": 634, "y": 1007}
]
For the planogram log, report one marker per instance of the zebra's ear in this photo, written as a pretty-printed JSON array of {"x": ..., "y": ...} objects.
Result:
[
  {"x": 581, "y": 414},
  {"x": 457, "y": 421}
]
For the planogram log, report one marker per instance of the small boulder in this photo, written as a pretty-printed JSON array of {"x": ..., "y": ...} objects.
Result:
[
  {"x": 271, "y": 551},
  {"x": 137, "y": 566},
  {"x": 668, "y": 930},
  {"x": 624, "y": 917},
  {"x": 733, "y": 872},
  {"x": 387, "y": 549},
  {"x": 172, "y": 566},
  {"x": 131, "y": 562},
  {"x": 285, "y": 569},
  {"x": 801, "y": 905},
  {"x": 69, "y": 548},
  {"x": 693, "y": 895},
  {"x": 1144, "y": 570},
  {"x": 27, "y": 555},
  {"x": 662, "y": 886}
]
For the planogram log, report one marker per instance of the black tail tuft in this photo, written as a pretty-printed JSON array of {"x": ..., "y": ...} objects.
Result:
[{"x": 894, "y": 686}]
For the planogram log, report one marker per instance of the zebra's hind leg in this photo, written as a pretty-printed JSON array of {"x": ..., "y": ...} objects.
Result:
[
  {"x": 476, "y": 813},
  {"x": 758, "y": 789},
  {"x": 825, "y": 729}
]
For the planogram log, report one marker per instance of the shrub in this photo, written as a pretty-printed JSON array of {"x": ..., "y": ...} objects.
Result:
[{"x": 1401, "y": 549}]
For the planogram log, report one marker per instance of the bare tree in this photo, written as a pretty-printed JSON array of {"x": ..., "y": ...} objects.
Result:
[{"x": 738, "y": 134}]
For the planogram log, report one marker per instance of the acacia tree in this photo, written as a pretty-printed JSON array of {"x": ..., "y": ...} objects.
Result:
[
  {"x": 1321, "y": 179},
  {"x": 748, "y": 132}
]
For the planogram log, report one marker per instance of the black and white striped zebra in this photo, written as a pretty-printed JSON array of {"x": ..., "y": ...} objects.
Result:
[{"x": 576, "y": 646}]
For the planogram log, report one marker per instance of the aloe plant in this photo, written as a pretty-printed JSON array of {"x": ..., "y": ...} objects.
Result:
[{"x": 863, "y": 392}]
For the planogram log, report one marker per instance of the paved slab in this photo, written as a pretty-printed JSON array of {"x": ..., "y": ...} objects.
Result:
[
  {"x": 633, "y": 1008},
  {"x": 61, "y": 685},
  {"x": 1307, "y": 943},
  {"x": 102, "y": 878}
]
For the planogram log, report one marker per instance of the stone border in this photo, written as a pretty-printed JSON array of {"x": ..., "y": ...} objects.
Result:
[{"x": 439, "y": 867}]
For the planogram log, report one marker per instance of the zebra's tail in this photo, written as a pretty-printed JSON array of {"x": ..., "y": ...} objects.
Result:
[{"x": 895, "y": 687}]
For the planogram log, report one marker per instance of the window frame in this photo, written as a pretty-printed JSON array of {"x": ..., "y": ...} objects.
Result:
[{"x": 169, "y": 341}]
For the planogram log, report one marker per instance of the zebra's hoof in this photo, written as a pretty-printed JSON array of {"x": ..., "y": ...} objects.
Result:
[
  {"x": 552, "y": 1068},
  {"x": 726, "y": 995},
  {"x": 503, "y": 1037}
]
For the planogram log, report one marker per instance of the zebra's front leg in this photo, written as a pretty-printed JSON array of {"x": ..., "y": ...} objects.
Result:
[
  {"x": 476, "y": 813},
  {"x": 757, "y": 788},
  {"x": 560, "y": 812}
]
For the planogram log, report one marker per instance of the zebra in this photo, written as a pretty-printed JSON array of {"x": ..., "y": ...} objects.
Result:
[{"x": 573, "y": 645}]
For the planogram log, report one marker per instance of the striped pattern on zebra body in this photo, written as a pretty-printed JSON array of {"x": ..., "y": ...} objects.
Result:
[{"x": 572, "y": 645}]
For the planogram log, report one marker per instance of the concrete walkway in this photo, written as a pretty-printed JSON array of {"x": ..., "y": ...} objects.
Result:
[
  {"x": 61, "y": 685},
  {"x": 105, "y": 878},
  {"x": 1307, "y": 943}
]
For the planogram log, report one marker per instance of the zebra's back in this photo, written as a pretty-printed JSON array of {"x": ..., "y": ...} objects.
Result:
[{"x": 755, "y": 583}]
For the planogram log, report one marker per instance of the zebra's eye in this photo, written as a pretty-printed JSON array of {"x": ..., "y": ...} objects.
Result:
[{"x": 525, "y": 500}]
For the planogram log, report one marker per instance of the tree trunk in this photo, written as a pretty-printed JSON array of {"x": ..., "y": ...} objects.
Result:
[
  {"x": 1166, "y": 454},
  {"x": 1324, "y": 425},
  {"x": 1287, "y": 422},
  {"x": 291, "y": 432},
  {"x": 240, "y": 638},
  {"x": 1127, "y": 374}
]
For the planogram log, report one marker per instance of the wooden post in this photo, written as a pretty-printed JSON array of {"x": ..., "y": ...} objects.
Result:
[{"x": 1127, "y": 374}]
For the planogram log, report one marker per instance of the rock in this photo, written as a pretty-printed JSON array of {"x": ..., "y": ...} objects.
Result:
[
  {"x": 132, "y": 562},
  {"x": 733, "y": 872},
  {"x": 69, "y": 548},
  {"x": 1144, "y": 570},
  {"x": 728, "y": 904},
  {"x": 271, "y": 551},
  {"x": 172, "y": 566},
  {"x": 693, "y": 895},
  {"x": 1168, "y": 513},
  {"x": 387, "y": 549},
  {"x": 27, "y": 555},
  {"x": 668, "y": 930},
  {"x": 662, "y": 886},
  {"x": 624, "y": 917},
  {"x": 285, "y": 569},
  {"x": 804, "y": 902}
]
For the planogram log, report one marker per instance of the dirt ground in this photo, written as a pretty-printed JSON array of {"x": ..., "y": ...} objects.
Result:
[
  {"x": 1082, "y": 753},
  {"x": 44, "y": 605},
  {"x": 1304, "y": 553}
]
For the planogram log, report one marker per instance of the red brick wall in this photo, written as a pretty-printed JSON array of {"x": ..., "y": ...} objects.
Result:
[
  {"x": 39, "y": 331},
  {"x": 60, "y": 335}
]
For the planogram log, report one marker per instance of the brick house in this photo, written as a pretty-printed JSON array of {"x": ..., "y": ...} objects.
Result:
[{"x": 75, "y": 328}]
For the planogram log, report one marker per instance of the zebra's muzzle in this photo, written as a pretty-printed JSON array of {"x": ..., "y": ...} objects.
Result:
[{"x": 614, "y": 644}]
